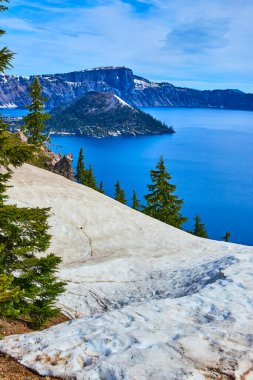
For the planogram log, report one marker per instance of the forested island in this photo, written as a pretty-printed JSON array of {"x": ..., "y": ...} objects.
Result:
[{"x": 104, "y": 114}]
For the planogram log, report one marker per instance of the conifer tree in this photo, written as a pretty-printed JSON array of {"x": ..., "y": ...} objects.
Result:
[
  {"x": 101, "y": 188},
  {"x": 80, "y": 169},
  {"x": 136, "y": 204},
  {"x": 90, "y": 179},
  {"x": 24, "y": 236},
  {"x": 27, "y": 283},
  {"x": 227, "y": 236},
  {"x": 34, "y": 122},
  {"x": 199, "y": 228},
  {"x": 162, "y": 204},
  {"x": 120, "y": 194}
]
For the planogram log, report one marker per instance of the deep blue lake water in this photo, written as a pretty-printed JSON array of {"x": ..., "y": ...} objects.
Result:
[
  {"x": 13, "y": 112},
  {"x": 210, "y": 158}
]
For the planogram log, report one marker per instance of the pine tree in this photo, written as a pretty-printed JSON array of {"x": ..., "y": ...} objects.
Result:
[
  {"x": 199, "y": 228},
  {"x": 136, "y": 204},
  {"x": 80, "y": 169},
  {"x": 34, "y": 122},
  {"x": 120, "y": 194},
  {"x": 28, "y": 286},
  {"x": 90, "y": 179},
  {"x": 23, "y": 237},
  {"x": 85, "y": 176},
  {"x": 227, "y": 236},
  {"x": 101, "y": 188},
  {"x": 161, "y": 203}
]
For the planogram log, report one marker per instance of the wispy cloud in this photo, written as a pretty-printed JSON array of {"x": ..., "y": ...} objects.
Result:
[
  {"x": 193, "y": 42},
  {"x": 199, "y": 36}
]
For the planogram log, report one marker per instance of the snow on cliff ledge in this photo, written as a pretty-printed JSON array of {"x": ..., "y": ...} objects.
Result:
[{"x": 152, "y": 302}]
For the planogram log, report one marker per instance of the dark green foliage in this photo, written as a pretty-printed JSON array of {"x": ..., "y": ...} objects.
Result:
[
  {"x": 23, "y": 237},
  {"x": 5, "y": 56},
  {"x": 9, "y": 296},
  {"x": 90, "y": 179},
  {"x": 199, "y": 228},
  {"x": 136, "y": 204},
  {"x": 85, "y": 176},
  {"x": 227, "y": 236},
  {"x": 162, "y": 204},
  {"x": 3, "y": 7},
  {"x": 12, "y": 152},
  {"x": 101, "y": 188},
  {"x": 101, "y": 114},
  {"x": 119, "y": 193},
  {"x": 80, "y": 169},
  {"x": 34, "y": 122}
]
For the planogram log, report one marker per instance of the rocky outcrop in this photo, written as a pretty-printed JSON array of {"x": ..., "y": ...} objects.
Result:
[
  {"x": 51, "y": 161},
  {"x": 64, "y": 167},
  {"x": 137, "y": 91},
  {"x": 56, "y": 163}
]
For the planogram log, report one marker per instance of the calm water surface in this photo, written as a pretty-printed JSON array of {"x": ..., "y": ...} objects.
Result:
[
  {"x": 13, "y": 112},
  {"x": 210, "y": 158}
]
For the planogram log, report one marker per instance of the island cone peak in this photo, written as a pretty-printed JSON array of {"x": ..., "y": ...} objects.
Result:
[
  {"x": 101, "y": 114},
  {"x": 99, "y": 102}
]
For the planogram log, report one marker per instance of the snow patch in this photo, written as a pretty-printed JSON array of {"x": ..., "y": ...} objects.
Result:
[
  {"x": 154, "y": 302},
  {"x": 141, "y": 84},
  {"x": 8, "y": 105},
  {"x": 122, "y": 101}
]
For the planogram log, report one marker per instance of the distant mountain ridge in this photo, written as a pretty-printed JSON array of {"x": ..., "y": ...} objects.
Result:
[
  {"x": 102, "y": 114},
  {"x": 135, "y": 90}
]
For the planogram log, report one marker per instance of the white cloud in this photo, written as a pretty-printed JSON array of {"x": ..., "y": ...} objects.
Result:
[{"x": 182, "y": 41}]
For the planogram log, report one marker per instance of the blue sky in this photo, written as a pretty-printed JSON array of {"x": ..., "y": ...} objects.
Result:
[{"x": 193, "y": 43}]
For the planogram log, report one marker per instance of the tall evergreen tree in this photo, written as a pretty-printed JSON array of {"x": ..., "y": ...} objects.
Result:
[
  {"x": 101, "y": 188},
  {"x": 227, "y": 236},
  {"x": 199, "y": 228},
  {"x": 90, "y": 179},
  {"x": 34, "y": 122},
  {"x": 80, "y": 168},
  {"x": 136, "y": 204},
  {"x": 162, "y": 204},
  {"x": 120, "y": 194},
  {"x": 27, "y": 283}
]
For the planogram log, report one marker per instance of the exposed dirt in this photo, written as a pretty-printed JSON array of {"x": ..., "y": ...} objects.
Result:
[{"x": 9, "y": 369}]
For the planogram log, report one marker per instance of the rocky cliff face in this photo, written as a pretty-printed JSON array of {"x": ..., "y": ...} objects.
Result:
[
  {"x": 137, "y": 91},
  {"x": 62, "y": 165}
]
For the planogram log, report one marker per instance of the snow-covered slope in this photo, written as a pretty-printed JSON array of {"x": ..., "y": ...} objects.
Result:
[{"x": 155, "y": 302}]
